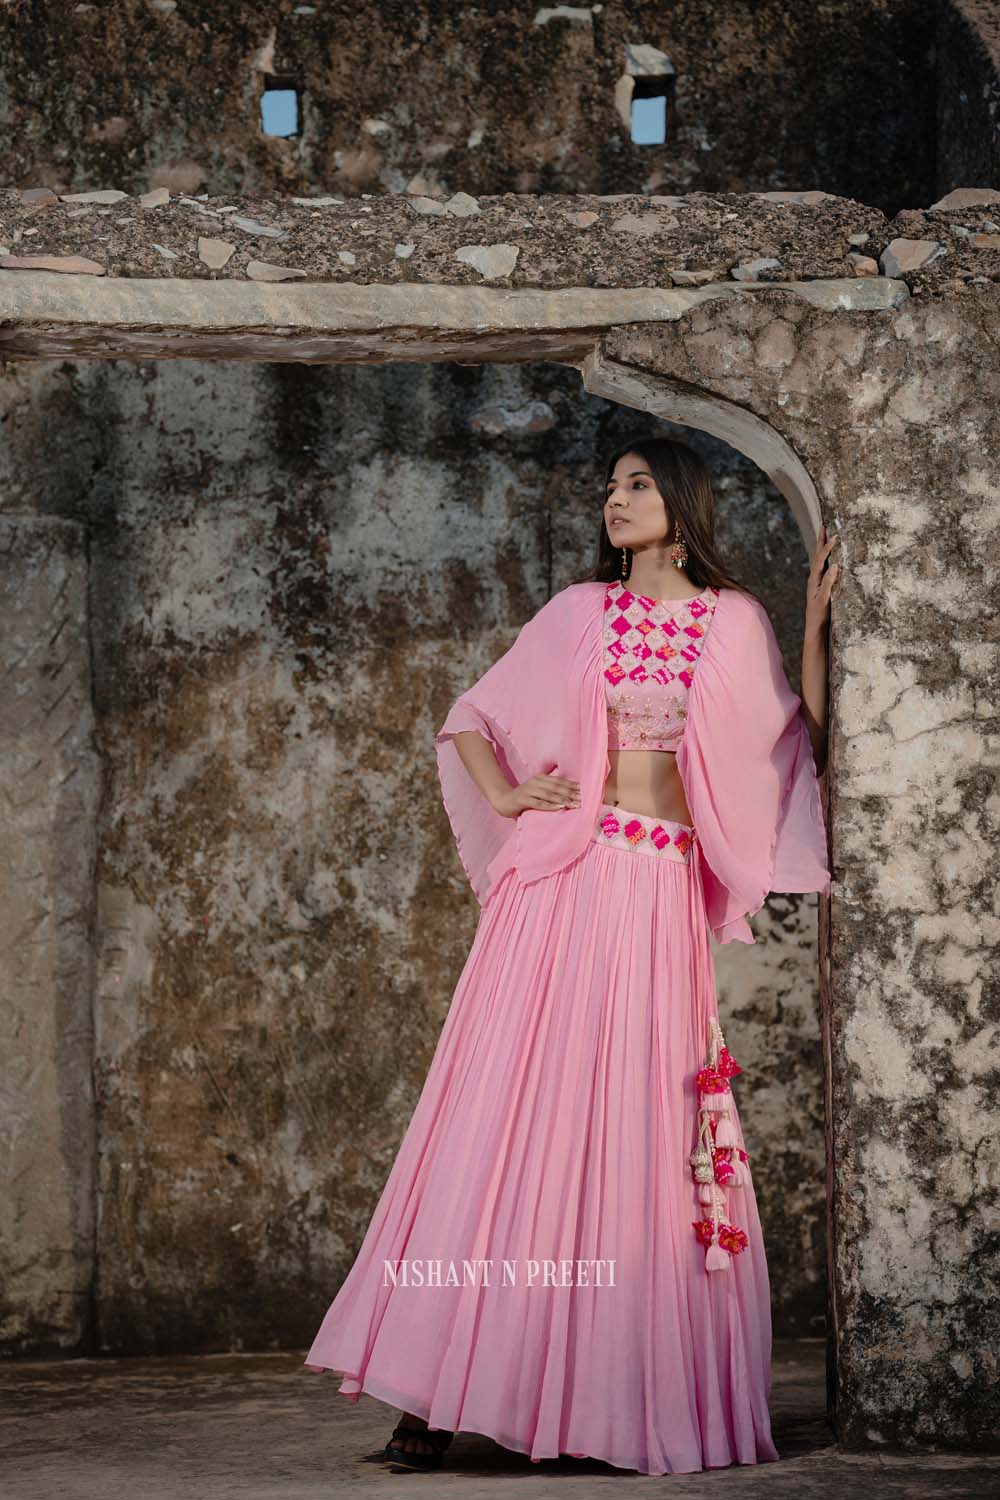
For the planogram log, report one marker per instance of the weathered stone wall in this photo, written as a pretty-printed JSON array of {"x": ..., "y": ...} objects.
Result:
[
  {"x": 293, "y": 572},
  {"x": 912, "y": 1006},
  {"x": 968, "y": 94},
  {"x": 49, "y": 792},
  {"x": 514, "y": 98}
]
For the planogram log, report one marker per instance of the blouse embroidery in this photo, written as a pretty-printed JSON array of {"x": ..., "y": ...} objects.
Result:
[{"x": 651, "y": 648}]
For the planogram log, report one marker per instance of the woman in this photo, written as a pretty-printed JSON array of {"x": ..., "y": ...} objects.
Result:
[{"x": 567, "y": 1254}]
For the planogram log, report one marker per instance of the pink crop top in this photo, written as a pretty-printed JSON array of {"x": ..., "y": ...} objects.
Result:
[{"x": 651, "y": 648}]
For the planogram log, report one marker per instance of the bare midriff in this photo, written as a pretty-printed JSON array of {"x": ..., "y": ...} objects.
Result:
[{"x": 647, "y": 781}]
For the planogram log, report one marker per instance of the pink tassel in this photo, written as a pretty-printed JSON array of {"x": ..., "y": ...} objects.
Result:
[
  {"x": 717, "y": 1133},
  {"x": 723, "y": 1170},
  {"x": 727, "y": 1064},
  {"x": 716, "y": 1259}
]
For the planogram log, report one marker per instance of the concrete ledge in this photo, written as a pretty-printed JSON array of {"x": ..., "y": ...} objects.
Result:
[{"x": 48, "y": 314}]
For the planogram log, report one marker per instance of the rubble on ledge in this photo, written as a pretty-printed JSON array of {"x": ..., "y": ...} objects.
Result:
[{"x": 511, "y": 240}]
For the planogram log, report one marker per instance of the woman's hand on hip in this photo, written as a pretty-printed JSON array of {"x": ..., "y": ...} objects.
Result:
[{"x": 546, "y": 793}]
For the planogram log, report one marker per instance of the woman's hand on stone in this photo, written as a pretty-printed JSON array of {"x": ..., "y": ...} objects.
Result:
[
  {"x": 820, "y": 583},
  {"x": 546, "y": 793}
]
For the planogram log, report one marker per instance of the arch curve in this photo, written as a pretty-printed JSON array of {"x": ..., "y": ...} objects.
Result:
[{"x": 741, "y": 429}]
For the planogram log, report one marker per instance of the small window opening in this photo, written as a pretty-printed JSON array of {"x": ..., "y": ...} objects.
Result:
[
  {"x": 651, "y": 99},
  {"x": 279, "y": 107}
]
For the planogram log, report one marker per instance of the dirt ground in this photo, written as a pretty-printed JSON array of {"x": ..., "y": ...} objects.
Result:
[{"x": 259, "y": 1426}]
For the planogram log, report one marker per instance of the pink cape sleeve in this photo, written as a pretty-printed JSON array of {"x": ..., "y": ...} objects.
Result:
[
  {"x": 507, "y": 705},
  {"x": 748, "y": 771},
  {"x": 541, "y": 708},
  {"x": 481, "y": 834}
]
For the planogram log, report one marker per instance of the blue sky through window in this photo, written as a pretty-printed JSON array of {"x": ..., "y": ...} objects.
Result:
[
  {"x": 279, "y": 111},
  {"x": 649, "y": 121}
]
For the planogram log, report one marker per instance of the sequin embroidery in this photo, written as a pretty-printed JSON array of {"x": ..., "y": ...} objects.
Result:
[
  {"x": 651, "y": 648},
  {"x": 664, "y": 838}
]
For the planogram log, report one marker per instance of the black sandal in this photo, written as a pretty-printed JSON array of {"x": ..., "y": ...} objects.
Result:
[{"x": 410, "y": 1459}]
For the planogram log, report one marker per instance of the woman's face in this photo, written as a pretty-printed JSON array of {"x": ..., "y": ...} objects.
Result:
[{"x": 634, "y": 511}]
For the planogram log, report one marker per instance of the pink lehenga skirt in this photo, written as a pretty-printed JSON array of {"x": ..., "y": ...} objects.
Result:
[{"x": 544, "y": 1265}]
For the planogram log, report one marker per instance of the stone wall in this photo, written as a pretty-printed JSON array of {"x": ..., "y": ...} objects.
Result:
[
  {"x": 293, "y": 572},
  {"x": 431, "y": 97},
  {"x": 49, "y": 778},
  {"x": 968, "y": 94}
]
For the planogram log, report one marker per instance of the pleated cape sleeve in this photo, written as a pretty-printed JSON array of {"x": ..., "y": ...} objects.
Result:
[
  {"x": 747, "y": 766},
  {"x": 541, "y": 707}
]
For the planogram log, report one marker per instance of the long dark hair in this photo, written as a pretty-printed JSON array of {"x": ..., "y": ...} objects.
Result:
[{"x": 685, "y": 482}]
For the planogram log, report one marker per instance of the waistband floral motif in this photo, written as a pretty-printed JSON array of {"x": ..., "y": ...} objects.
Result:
[{"x": 642, "y": 833}]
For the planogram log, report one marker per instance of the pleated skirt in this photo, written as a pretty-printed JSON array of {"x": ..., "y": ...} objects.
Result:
[{"x": 531, "y": 1271}]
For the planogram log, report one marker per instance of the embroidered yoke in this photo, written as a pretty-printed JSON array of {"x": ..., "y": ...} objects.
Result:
[{"x": 651, "y": 647}]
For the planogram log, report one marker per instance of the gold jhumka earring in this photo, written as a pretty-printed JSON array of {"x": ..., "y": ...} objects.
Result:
[
  {"x": 625, "y": 570},
  {"x": 679, "y": 551}
]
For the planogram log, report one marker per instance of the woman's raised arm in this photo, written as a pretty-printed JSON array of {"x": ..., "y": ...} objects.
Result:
[{"x": 814, "y": 646}]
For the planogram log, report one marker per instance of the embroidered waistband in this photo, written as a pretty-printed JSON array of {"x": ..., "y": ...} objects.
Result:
[{"x": 641, "y": 833}]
